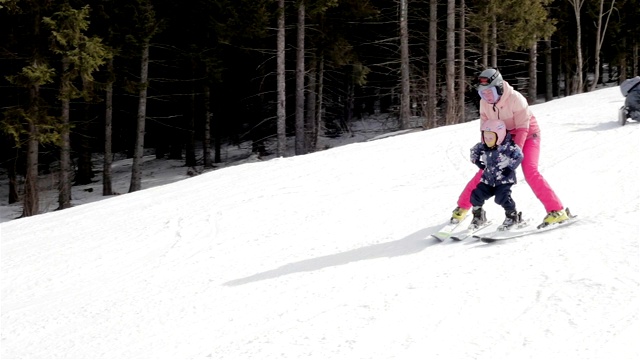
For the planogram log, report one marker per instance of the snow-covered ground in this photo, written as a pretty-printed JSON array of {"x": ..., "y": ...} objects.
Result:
[{"x": 328, "y": 256}]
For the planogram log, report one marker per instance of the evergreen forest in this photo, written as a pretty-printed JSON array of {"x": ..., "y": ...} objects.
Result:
[{"x": 179, "y": 79}]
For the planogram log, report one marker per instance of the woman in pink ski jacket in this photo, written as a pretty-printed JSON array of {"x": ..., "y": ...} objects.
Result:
[{"x": 499, "y": 101}]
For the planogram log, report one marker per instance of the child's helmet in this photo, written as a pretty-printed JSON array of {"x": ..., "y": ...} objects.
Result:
[
  {"x": 496, "y": 126},
  {"x": 490, "y": 78}
]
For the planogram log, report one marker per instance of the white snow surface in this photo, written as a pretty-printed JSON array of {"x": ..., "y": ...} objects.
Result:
[{"x": 329, "y": 256}]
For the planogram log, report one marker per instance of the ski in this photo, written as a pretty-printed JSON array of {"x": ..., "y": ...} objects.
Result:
[
  {"x": 463, "y": 234},
  {"x": 447, "y": 230},
  {"x": 523, "y": 231}
]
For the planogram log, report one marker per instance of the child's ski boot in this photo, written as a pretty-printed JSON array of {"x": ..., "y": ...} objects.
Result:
[
  {"x": 479, "y": 217},
  {"x": 513, "y": 217}
]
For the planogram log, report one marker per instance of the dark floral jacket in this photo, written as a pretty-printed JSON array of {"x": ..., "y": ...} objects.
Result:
[{"x": 499, "y": 163}]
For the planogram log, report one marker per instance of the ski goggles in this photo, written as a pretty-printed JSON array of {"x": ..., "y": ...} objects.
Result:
[{"x": 483, "y": 80}]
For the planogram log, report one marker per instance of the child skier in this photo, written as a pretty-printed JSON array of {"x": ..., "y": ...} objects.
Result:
[
  {"x": 498, "y": 156},
  {"x": 630, "y": 89}
]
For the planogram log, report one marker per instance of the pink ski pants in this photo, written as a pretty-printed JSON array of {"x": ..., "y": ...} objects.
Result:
[{"x": 538, "y": 184}]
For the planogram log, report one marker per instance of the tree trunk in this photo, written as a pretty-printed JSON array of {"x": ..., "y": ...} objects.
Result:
[
  {"x": 300, "y": 138},
  {"x": 190, "y": 153},
  {"x": 64, "y": 184},
  {"x": 84, "y": 174},
  {"x": 108, "y": 133},
  {"x": 320, "y": 102},
  {"x": 484, "y": 38},
  {"x": 622, "y": 75},
  {"x": 569, "y": 80},
  {"x": 636, "y": 58},
  {"x": 579, "y": 85},
  {"x": 11, "y": 165},
  {"x": 600, "y": 33},
  {"x": 548, "y": 95},
  {"x": 310, "y": 121},
  {"x": 494, "y": 42},
  {"x": 349, "y": 101},
  {"x": 432, "y": 82},
  {"x": 451, "y": 63},
  {"x": 462, "y": 76},
  {"x": 281, "y": 110},
  {"x": 217, "y": 137},
  {"x": 31, "y": 194},
  {"x": 206, "y": 139},
  {"x": 405, "y": 101},
  {"x": 13, "y": 181},
  {"x": 533, "y": 73},
  {"x": 138, "y": 152}
]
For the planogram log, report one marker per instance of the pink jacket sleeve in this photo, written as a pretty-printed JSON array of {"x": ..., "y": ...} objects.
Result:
[
  {"x": 520, "y": 136},
  {"x": 521, "y": 118}
]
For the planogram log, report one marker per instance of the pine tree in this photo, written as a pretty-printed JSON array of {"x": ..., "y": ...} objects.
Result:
[
  {"x": 29, "y": 122},
  {"x": 148, "y": 26},
  {"x": 81, "y": 57}
]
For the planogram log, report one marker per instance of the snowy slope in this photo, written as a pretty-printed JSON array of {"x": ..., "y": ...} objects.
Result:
[{"x": 328, "y": 256}]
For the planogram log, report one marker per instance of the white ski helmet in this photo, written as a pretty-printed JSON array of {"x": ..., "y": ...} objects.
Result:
[
  {"x": 490, "y": 78},
  {"x": 496, "y": 126}
]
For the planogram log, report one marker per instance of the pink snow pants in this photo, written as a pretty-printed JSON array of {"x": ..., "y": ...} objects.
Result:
[{"x": 538, "y": 184}]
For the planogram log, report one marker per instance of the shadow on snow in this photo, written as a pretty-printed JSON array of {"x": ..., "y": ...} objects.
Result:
[{"x": 408, "y": 245}]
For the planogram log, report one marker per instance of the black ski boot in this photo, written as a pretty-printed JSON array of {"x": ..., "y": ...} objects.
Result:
[
  {"x": 513, "y": 217},
  {"x": 479, "y": 217}
]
